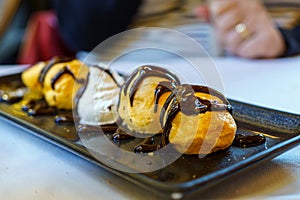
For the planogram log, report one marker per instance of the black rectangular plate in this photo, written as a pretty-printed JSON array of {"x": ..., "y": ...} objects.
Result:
[{"x": 189, "y": 173}]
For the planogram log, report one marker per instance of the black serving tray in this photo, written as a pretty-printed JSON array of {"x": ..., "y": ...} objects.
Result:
[{"x": 188, "y": 174}]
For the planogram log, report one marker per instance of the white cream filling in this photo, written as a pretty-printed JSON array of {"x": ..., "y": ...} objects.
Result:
[{"x": 98, "y": 103}]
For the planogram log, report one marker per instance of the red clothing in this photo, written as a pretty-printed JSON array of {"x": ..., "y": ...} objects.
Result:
[{"x": 42, "y": 39}]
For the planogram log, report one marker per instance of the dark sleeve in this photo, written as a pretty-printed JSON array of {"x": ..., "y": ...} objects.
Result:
[
  {"x": 84, "y": 24},
  {"x": 292, "y": 40}
]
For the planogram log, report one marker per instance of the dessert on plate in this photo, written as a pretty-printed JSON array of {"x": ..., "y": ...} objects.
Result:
[
  {"x": 55, "y": 80},
  {"x": 194, "y": 119},
  {"x": 142, "y": 97},
  {"x": 198, "y": 120},
  {"x": 97, "y": 100}
]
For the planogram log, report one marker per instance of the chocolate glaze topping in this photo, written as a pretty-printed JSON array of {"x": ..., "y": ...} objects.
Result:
[
  {"x": 65, "y": 70},
  {"x": 143, "y": 72},
  {"x": 110, "y": 74},
  {"x": 79, "y": 94},
  {"x": 162, "y": 88},
  {"x": 50, "y": 64},
  {"x": 184, "y": 100}
]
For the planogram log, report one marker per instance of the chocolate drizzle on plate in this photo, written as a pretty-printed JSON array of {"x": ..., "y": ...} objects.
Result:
[
  {"x": 244, "y": 141},
  {"x": 38, "y": 108},
  {"x": 121, "y": 134},
  {"x": 85, "y": 129},
  {"x": 147, "y": 145},
  {"x": 66, "y": 118},
  {"x": 11, "y": 96}
]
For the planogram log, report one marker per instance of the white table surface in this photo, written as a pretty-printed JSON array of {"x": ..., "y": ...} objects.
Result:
[{"x": 31, "y": 168}]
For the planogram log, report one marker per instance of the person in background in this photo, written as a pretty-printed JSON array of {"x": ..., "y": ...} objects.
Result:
[
  {"x": 72, "y": 25},
  {"x": 84, "y": 24},
  {"x": 246, "y": 29},
  {"x": 14, "y": 17},
  {"x": 66, "y": 27},
  {"x": 79, "y": 25}
]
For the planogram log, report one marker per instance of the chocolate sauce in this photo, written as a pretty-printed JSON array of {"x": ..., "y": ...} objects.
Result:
[
  {"x": 38, "y": 108},
  {"x": 50, "y": 64},
  {"x": 110, "y": 74},
  {"x": 161, "y": 88},
  {"x": 109, "y": 128},
  {"x": 28, "y": 105},
  {"x": 149, "y": 140},
  {"x": 64, "y": 119},
  {"x": 192, "y": 105},
  {"x": 242, "y": 140},
  {"x": 11, "y": 96},
  {"x": 171, "y": 113},
  {"x": 207, "y": 90},
  {"x": 65, "y": 70},
  {"x": 79, "y": 94},
  {"x": 120, "y": 134},
  {"x": 147, "y": 145},
  {"x": 184, "y": 100},
  {"x": 85, "y": 129},
  {"x": 6, "y": 98},
  {"x": 143, "y": 72},
  {"x": 145, "y": 148}
]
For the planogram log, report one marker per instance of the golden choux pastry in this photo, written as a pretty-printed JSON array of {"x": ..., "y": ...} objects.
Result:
[
  {"x": 55, "y": 80},
  {"x": 30, "y": 77},
  {"x": 198, "y": 120},
  {"x": 142, "y": 98}
]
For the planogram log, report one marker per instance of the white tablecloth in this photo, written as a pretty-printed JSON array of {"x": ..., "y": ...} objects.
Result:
[{"x": 31, "y": 168}]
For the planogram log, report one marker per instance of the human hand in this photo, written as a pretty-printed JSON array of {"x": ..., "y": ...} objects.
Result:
[{"x": 244, "y": 29}]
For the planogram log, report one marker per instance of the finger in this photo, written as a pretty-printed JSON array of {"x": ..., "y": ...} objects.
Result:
[
  {"x": 236, "y": 38},
  {"x": 202, "y": 12},
  {"x": 251, "y": 48},
  {"x": 254, "y": 46},
  {"x": 220, "y": 7},
  {"x": 227, "y": 21},
  {"x": 232, "y": 42}
]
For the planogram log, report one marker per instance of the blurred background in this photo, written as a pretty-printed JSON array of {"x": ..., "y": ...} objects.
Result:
[
  {"x": 14, "y": 16},
  {"x": 34, "y": 30}
]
